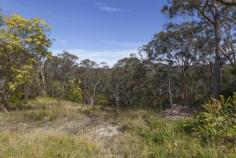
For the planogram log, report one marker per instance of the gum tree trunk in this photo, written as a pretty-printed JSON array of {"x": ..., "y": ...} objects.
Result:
[{"x": 216, "y": 67}]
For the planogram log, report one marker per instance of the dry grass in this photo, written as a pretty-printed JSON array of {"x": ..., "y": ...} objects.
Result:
[
  {"x": 46, "y": 145},
  {"x": 56, "y": 129}
]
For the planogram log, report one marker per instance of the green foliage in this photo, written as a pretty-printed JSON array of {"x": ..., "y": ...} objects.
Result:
[
  {"x": 24, "y": 44},
  {"x": 217, "y": 121},
  {"x": 73, "y": 91},
  {"x": 102, "y": 99},
  {"x": 233, "y": 71},
  {"x": 77, "y": 95},
  {"x": 161, "y": 138},
  {"x": 17, "y": 98}
]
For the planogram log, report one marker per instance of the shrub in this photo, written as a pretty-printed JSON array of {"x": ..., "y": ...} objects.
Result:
[
  {"x": 217, "y": 121},
  {"x": 77, "y": 95},
  {"x": 102, "y": 99}
]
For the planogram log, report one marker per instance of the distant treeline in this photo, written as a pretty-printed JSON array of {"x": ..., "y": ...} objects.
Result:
[{"x": 186, "y": 63}]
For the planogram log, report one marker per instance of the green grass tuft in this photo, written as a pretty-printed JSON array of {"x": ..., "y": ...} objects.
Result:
[{"x": 45, "y": 145}]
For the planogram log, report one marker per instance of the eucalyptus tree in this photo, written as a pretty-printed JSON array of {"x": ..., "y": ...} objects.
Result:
[
  {"x": 214, "y": 13},
  {"x": 131, "y": 81},
  {"x": 91, "y": 77},
  {"x": 228, "y": 46},
  {"x": 60, "y": 74},
  {"x": 158, "y": 86},
  {"x": 180, "y": 49}
]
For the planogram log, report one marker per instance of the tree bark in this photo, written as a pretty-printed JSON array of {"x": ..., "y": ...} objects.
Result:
[
  {"x": 93, "y": 96},
  {"x": 216, "y": 67},
  {"x": 27, "y": 92},
  {"x": 43, "y": 79},
  {"x": 170, "y": 93},
  {"x": 115, "y": 93}
]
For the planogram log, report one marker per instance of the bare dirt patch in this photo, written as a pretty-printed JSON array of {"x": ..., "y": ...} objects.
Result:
[
  {"x": 93, "y": 127},
  {"x": 177, "y": 111}
]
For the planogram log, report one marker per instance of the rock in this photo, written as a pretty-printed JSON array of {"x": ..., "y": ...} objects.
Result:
[{"x": 107, "y": 131}]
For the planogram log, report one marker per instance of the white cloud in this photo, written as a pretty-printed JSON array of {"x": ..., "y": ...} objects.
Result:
[
  {"x": 105, "y": 7},
  {"x": 110, "y": 9},
  {"x": 110, "y": 57}
]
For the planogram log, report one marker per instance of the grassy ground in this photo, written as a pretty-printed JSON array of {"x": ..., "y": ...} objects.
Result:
[{"x": 61, "y": 129}]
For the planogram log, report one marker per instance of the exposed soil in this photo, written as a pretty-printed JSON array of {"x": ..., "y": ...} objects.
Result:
[
  {"x": 86, "y": 125},
  {"x": 177, "y": 111},
  {"x": 95, "y": 128}
]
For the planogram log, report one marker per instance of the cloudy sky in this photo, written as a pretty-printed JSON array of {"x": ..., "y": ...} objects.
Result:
[{"x": 101, "y": 30}]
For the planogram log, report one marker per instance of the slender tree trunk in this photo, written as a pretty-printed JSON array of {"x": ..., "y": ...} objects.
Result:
[
  {"x": 52, "y": 94},
  {"x": 160, "y": 99},
  {"x": 43, "y": 79},
  {"x": 92, "y": 100},
  {"x": 4, "y": 108},
  {"x": 216, "y": 67},
  {"x": 170, "y": 93},
  {"x": 27, "y": 92},
  {"x": 116, "y": 96},
  {"x": 4, "y": 101},
  {"x": 93, "y": 96}
]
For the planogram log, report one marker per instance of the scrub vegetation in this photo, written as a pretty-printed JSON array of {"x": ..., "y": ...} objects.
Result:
[{"x": 174, "y": 98}]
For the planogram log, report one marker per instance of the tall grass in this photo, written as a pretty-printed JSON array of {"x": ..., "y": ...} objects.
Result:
[
  {"x": 45, "y": 145},
  {"x": 146, "y": 136}
]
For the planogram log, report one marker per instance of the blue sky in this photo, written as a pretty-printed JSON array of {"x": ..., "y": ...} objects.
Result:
[{"x": 102, "y": 30}]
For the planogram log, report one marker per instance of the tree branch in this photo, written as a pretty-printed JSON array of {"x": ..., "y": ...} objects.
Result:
[
  {"x": 202, "y": 12},
  {"x": 227, "y": 2}
]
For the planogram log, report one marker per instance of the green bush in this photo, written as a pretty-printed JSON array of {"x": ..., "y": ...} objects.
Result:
[
  {"x": 77, "y": 95},
  {"x": 217, "y": 121},
  {"x": 102, "y": 99},
  {"x": 162, "y": 138}
]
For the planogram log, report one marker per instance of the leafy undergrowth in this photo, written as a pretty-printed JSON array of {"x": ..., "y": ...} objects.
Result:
[
  {"x": 216, "y": 123},
  {"x": 147, "y": 136},
  {"x": 141, "y": 134}
]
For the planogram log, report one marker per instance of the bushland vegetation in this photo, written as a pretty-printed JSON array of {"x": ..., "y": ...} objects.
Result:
[{"x": 52, "y": 97}]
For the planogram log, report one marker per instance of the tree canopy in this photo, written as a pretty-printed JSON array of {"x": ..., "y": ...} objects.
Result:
[{"x": 185, "y": 63}]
